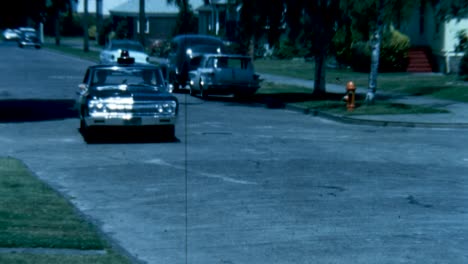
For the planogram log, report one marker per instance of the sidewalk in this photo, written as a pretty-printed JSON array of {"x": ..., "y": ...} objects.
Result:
[{"x": 456, "y": 118}]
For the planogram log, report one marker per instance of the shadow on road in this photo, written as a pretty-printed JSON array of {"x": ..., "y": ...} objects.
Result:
[
  {"x": 127, "y": 135},
  {"x": 33, "y": 110}
]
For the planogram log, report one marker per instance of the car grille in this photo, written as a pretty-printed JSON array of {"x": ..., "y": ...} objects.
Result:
[{"x": 141, "y": 109}]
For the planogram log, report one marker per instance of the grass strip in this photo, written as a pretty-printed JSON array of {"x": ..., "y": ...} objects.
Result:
[
  {"x": 90, "y": 55},
  {"x": 332, "y": 103},
  {"x": 449, "y": 87},
  {"x": 32, "y": 215}
]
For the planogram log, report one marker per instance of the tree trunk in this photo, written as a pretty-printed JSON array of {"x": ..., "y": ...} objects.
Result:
[
  {"x": 57, "y": 27},
  {"x": 85, "y": 28},
  {"x": 375, "y": 55},
  {"x": 319, "y": 82},
  {"x": 142, "y": 22}
]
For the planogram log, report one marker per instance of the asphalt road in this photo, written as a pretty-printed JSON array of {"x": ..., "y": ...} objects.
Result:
[{"x": 242, "y": 183}]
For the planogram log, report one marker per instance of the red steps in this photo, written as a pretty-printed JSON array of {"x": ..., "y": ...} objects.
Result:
[{"x": 419, "y": 60}]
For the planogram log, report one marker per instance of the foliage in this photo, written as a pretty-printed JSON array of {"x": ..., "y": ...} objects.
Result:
[
  {"x": 186, "y": 23},
  {"x": 105, "y": 30},
  {"x": 462, "y": 37},
  {"x": 71, "y": 25},
  {"x": 186, "y": 19},
  {"x": 393, "y": 54},
  {"x": 122, "y": 29},
  {"x": 288, "y": 49},
  {"x": 463, "y": 72}
]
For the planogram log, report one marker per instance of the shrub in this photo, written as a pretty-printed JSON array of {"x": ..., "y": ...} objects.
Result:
[
  {"x": 464, "y": 66},
  {"x": 393, "y": 53},
  {"x": 287, "y": 49},
  {"x": 462, "y": 37},
  {"x": 92, "y": 32}
]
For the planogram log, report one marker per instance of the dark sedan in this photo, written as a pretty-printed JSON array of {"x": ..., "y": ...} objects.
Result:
[
  {"x": 28, "y": 37},
  {"x": 125, "y": 94}
]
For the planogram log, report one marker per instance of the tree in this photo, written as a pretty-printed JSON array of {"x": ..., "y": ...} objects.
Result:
[
  {"x": 56, "y": 7},
  {"x": 369, "y": 18},
  {"x": 259, "y": 19},
  {"x": 186, "y": 21},
  {"x": 319, "y": 20},
  {"x": 85, "y": 28}
]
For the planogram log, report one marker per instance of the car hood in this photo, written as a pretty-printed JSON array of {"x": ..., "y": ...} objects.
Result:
[{"x": 136, "y": 95}]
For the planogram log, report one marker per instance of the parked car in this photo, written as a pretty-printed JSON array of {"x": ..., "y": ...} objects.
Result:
[
  {"x": 112, "y": 52},
  {"x": 125, "y": 94},
  {"x": 28, "y": 37},
  {"x": 183, "y": 49},
  {"x": 10, "y": 34},
  {"x": 222, "y": 74}
]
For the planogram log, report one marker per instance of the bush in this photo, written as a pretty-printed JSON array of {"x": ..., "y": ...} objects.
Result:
[
  {"x": 464, "y": 66},
  {"x": 393, "y": 53},
  {"x": 462, "y": 37},
  {"x": 92, "y": 32},
  {"x": 287, "y": 49}
]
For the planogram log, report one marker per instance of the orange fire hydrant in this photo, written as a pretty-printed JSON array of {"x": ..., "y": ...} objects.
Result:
[{"x": 350, "y": 96}]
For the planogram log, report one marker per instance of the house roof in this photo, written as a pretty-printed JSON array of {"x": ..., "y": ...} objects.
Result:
[{"x": 155, "y": 7}]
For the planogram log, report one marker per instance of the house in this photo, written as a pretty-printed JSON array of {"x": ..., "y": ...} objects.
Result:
[
  {"x": 161, "y": 17},
  {"x": 433, "y": 43},
  {"x": 104, "y": 5},
  {"x": 218, "y": 18}
]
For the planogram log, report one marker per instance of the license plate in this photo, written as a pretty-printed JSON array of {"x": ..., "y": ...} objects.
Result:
[{"x": 136, "y": 121}]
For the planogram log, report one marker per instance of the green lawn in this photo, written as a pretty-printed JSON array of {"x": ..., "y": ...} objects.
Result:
[
  {"x": 436, "y": 85},
  {"x": 32, "y": 215}
]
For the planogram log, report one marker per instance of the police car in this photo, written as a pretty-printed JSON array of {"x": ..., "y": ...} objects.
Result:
[{"x": 125, "y": 94}]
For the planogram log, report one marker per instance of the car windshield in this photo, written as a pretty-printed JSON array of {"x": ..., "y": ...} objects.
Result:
[
  {"x": 128, "y": 46},
  {"x": 128, "y": 79},
  {"x": 205, "y": 48}
]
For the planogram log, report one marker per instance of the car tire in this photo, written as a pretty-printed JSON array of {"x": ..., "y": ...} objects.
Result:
[
  {"x": 37, "y": 47},
  {"x": 192, "y": 92},
  {"x": 203, "y": 92},
  {"x": 86, "y": 132}
]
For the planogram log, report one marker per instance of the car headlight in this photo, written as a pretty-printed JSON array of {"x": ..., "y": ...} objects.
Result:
[
  {"x": 167, "y": 107},
  {"x": 189, "y": 52},
  {"x": 96, "y": 105}
]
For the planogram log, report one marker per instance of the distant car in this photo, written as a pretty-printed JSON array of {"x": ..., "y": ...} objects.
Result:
[
  {"x": 28, "y": 37},
  {"x": 125, "y": 94},
  {"x": 10, "y": 34},
  {"x": 223, "y": 74},
  {"x": 183, "y": 49},
  {"x": 112, "y": 52}
]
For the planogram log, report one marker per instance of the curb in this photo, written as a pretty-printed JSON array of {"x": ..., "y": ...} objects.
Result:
[{"x": 382, "y": 123}]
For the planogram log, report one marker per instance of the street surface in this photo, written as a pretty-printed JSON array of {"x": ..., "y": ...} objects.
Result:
[{"x": 242, "y": 183}]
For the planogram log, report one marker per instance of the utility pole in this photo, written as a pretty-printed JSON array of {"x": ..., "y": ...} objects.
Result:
[
  {"x": 142, "y": 20},
  {"x": 85, "y": 28}
]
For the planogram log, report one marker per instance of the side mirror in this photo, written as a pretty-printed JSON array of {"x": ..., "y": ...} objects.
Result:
[{"x": 83, "y": 87}]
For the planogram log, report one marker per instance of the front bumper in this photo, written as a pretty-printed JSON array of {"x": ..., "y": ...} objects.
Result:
[
  {"x": 130, "y": 121},
  {"x": 27, "y": 43}
]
